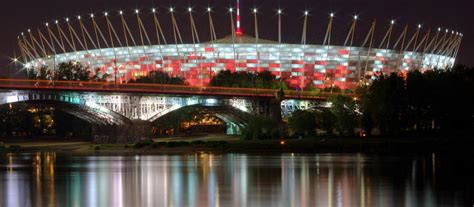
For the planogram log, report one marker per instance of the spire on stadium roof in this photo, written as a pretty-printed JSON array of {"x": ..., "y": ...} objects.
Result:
[{"x": 238, "y": 31}]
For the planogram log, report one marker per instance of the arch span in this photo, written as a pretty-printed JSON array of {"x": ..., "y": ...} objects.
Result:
[
  {"x": 70, "y": 103},
  {"x": 234, "y": 118}
]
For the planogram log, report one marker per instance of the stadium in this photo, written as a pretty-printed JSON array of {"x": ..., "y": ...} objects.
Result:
[{"x": 130, "y": 44}]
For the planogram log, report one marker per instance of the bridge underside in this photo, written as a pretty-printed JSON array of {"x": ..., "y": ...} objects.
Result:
[
  {"x": 90, "y": 115},
  {"x": 234, "y": 118}
]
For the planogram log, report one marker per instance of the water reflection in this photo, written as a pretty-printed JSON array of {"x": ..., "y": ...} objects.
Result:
[{"x": 47, "y": 179}]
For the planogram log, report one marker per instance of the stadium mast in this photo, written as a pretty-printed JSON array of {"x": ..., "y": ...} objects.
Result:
[{"x": 238, "y": 31}]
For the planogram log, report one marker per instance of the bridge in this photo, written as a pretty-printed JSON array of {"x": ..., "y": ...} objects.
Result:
[{"x": 106, "y": 104}]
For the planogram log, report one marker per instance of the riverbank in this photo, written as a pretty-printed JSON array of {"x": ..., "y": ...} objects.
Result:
[{"x": 234, "y": 145}]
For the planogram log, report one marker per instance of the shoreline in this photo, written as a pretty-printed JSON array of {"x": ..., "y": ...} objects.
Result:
[{"x": 304, "y": 146}]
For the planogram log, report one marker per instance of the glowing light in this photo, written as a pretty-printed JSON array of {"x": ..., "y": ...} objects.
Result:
[
  {"x": 153, "y": 10},
  {"x": 331, "y": 15},
  {"x": 106, "y": 13},
  {"x": 56, "y": 21},
  {"x": 47, "y": 24},
  {"x": 15, "y": 60},
  {"x": 282, "y": 142},
  {"x": 22, "y": 34},
  {"x": 29, "y": 30},
  {"x": 419, "y": 25},
  {"x": 67, "y": 19},
  {"x": 209, "y": 9},
  {"x": 137, "y": 11},
  {"x": 171, "y": 9},
  {"x": 92, "y": 15},
  {"x": 446, "y": 30},
  {"x": 12, "y": 99},
  {"x": 254, "y": 10},
  {"x": 356, "y": 17},
  {"x": 452, "y": 31},
  {"x": 392, "y": 22},
  {"x": 190, "y": 9},
  {"x": 439, "y": 29},
  {"x": 306, "y": 13},
  {"x": 231, "y": 10},
  {"x": 279, "y": 11},
  {"x": 120, "y": 12},
  {"x": 211, "y": 101},
  {"x": 79, "y": 17}
]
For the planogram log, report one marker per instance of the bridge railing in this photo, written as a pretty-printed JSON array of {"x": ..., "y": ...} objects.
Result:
[{"x": 156, "y": 88}]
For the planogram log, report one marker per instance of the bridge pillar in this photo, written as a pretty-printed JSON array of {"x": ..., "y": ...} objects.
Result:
[{"x": 124, "y": 134}]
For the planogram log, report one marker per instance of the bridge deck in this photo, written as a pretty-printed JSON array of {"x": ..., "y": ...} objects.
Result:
[{"x": 21, "y": 84}]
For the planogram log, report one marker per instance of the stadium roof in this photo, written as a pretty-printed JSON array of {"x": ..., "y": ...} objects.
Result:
[{"x": 244, "y": 39}]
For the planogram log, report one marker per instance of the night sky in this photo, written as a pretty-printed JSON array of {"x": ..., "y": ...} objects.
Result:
[{"x": 17, "y": 16}]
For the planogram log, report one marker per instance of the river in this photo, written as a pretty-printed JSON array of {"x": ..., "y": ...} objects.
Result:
[{"x": 50, "y": 179}]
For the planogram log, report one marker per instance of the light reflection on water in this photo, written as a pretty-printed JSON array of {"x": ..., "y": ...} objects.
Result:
[{"x": 48, "y": 179}]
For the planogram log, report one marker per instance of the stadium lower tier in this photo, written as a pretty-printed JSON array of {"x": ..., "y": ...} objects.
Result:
[{"x": 300, "y": 66}]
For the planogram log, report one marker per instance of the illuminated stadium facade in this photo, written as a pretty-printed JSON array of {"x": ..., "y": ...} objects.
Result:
[{"x": 125, "y": 53}]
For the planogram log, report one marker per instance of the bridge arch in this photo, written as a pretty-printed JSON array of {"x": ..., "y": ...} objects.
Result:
[
  {"x": 234, "y": 119},
  {"x": 70, "y": 103}
]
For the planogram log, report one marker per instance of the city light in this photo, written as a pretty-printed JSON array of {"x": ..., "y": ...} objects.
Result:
[
  {"x": 306, "y": 13},
  {"x": 254, "y": 10},
  {"x": 331, "y": 15}
]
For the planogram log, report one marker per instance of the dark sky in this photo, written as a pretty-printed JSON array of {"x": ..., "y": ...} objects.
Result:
[{"x": 18, "y": 15}]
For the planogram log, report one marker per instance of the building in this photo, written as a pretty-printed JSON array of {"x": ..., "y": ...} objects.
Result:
[{"x": 126, "y": 54}]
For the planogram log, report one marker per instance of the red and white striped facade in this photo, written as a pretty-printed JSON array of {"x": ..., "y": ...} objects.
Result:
[{"x": 130, "y": 54}]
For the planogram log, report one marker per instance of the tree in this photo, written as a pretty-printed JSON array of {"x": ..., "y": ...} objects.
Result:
[
  {"x": 260, "y": 128},
  {"x": 243, "y": 79},
  {"x": 344, "y": 110},
  {"x": 41, "y": 73},
  {"x": 326, "y": 120},
  {"x": 384, "y": 102},
  {"x": 159, "y": 77},
  {"x": 420, "y": 103},
  {"x": 70, "y": 71},
  {"x": 303, "y": 123}
]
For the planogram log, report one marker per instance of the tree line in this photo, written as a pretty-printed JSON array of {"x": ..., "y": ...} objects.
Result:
[
  {"x": 432, "y": 103},
  {"x": 68, "y": 71}
]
